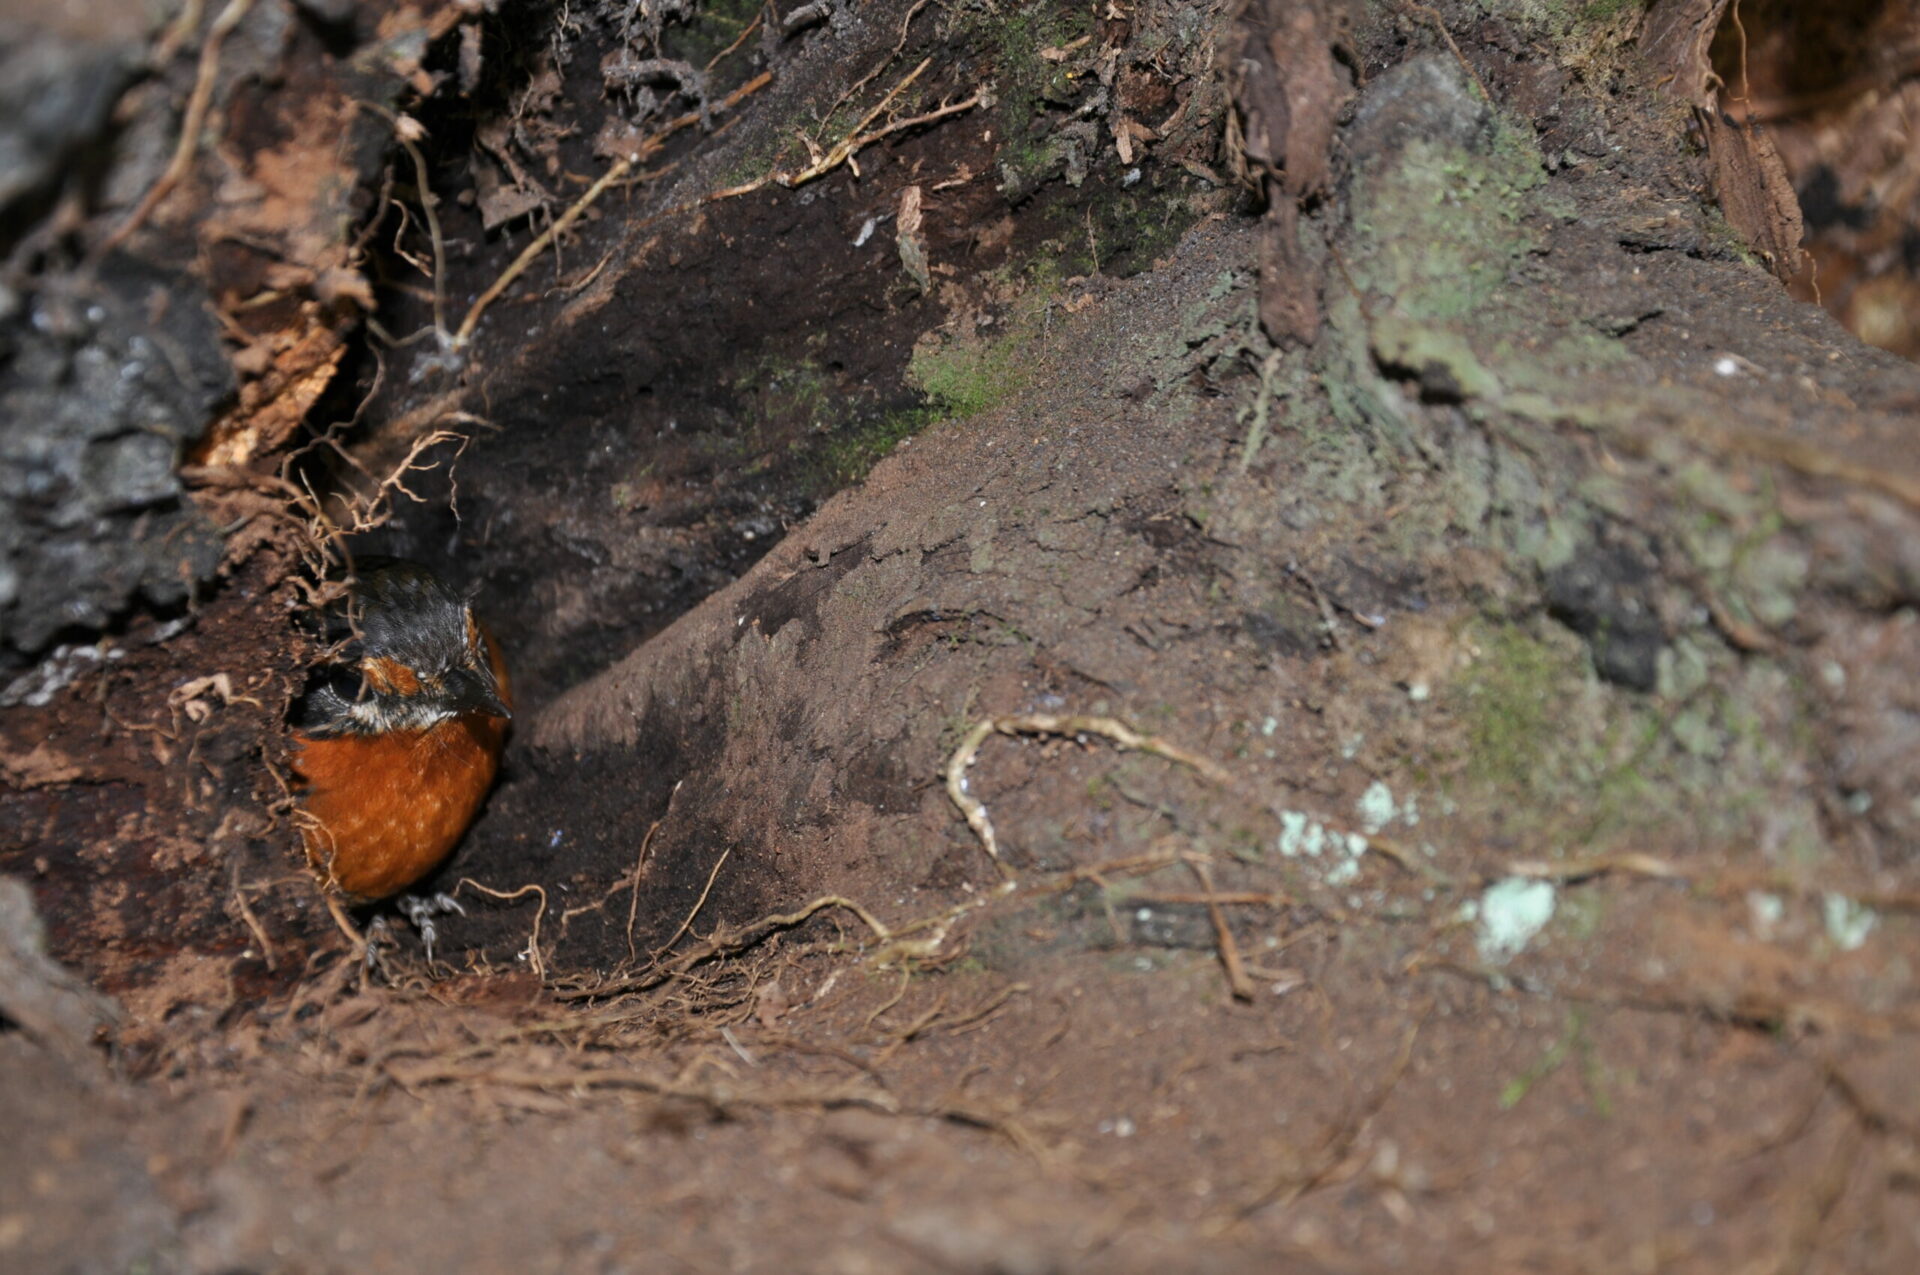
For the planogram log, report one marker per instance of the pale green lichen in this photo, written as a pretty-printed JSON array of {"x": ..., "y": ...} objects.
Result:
[
  {"x": 1510, "y": 914},
  {"x": 1767, "y": 911},
  {"x": 1440, "y": 229},
  {"x": 1376, "y": 807},
  {"x": 1348, "y": 850},
  {"x": 1849, "y": 922},
  {"x": 1302, "y": 836}
]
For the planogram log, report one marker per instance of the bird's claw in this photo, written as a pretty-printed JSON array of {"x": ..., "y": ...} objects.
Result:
[
  {"x": 420, "y": 909},
  {"x": 378, "y": 937}
]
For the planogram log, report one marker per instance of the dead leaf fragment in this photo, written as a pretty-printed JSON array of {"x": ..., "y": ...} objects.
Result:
[
  {"x": 913, "y": 244},
  {"x": 502, "y": 201},
  {"x": 340, "y": 283},
  {"x": 1061, "y": 53}
]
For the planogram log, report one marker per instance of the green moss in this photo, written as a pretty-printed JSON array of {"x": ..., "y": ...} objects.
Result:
[
  {"x": 965, "y": 378},
  {"x": 1118, "y": 231},
  {"x": 1597, "y": 11},
  {"x": 969, "y": 374},
  {"x": 1515, "y": 708},
  {"x": 773, "y": 390},
  {"x": 1561, "y": 759},
  {"x": 850, "y": 454},
  {"x": 1580, "y": 30},
  {"x": 833, "y": 438},
  {"x": 755, "y": 160},
  {"x": 1726, "y": 243},
  {"x": 625, "y": 495},
  {"x": 1023, "y": 80},
  {"x": 717, "y": 25}
]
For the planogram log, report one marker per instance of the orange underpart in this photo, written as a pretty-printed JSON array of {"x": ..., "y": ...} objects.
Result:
[{"x": 386, "y": 809}]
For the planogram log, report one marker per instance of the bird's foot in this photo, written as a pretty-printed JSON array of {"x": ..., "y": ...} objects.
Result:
[
  {"x": 420, "y": 909},
  {"x": 379, "y": 939}
]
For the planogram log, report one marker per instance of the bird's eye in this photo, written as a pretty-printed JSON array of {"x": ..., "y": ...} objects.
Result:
[
  {"x": 346, "y": 682},
  {"x": 331, "y": 691}
]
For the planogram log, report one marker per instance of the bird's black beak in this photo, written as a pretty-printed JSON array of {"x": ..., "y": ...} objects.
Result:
[{"x": 471, "y": 692}]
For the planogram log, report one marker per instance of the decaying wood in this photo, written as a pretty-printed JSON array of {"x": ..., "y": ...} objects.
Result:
[
  {"x": 1289, "y": 89},
  {"x": 1749, "y": 179}
]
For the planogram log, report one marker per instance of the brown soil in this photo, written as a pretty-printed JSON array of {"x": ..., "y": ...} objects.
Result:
[{"x": 1517, "y": 871}]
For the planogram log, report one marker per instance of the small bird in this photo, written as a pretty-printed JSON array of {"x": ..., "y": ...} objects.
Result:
[{"x": 398, "y": 738}]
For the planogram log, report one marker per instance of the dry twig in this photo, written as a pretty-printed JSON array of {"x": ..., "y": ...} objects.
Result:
[
  {"x": 858, "y": 138},
  {"x": 407, "y": 131},
  {"x": 532, "y": 251},
  {"x": 1439, "y": 24},
  {"x": 1632, "y": 864},
  {"x": 615, "y": 172},
  {"x": 1237, "y": 980}
]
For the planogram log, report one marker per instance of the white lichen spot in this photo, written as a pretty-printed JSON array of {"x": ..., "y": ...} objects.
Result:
[
  {"x": 1767, "y": 911},
  {"x": 1375, "y": 807},
  {"x": 1419, "y": 692},
  {"x": 1511, "y": 913},
  {"x": 1300, "y": 835},
  {"x": 1848, "y": 922},
  {"x": 1269, "y": 726},
  {"x": 1348, "y": 867}
]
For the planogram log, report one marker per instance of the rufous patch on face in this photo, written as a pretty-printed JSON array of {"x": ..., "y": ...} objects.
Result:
[{"x": 390, "y": 677}]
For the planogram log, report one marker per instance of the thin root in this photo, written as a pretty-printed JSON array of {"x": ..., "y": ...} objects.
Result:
[
  {"x": 1119, "y": 732},
  {"x": 698, "y": 903},
  {"x": 191, "y": 123},
  {"x": 532, "y": 952}
]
